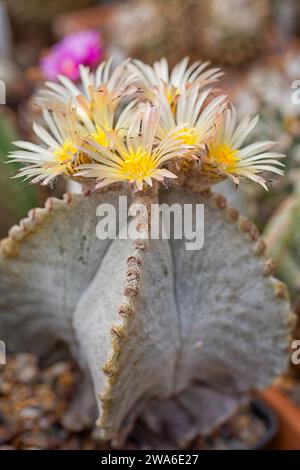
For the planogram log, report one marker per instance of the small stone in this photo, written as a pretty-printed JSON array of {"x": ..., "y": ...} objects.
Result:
[
  {"x": 44, "y": 424},
  {"x": 27, "y": 374},
  {"x": 58, "y": 369},
  {"x": 26, "y": 369},
  {"x": 30, "y": 412},
  {"x": 39, "y": 440}
]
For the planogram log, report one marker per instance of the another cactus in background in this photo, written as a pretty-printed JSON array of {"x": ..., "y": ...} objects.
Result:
[
  {"x": 175, "y": 335},
  {"x": 228, "y": 32},
  {"x": 280, "y": 116},
  {"x": 282, "y": 237},
  {"x": 279, "y": 120},
  {"x": 38, "y": 12},
  {"x": 234, "y": 31},
  {"x": 148, "y": 30},
  {"x": 287, "y": 15},
  {"x": 32, "y": 24}
]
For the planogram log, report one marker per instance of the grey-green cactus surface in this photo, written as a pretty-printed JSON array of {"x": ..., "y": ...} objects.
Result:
[{"x": 177, "y": 336}]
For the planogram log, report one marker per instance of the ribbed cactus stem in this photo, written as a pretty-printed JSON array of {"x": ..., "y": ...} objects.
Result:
[{"x": 157, "y": 330}]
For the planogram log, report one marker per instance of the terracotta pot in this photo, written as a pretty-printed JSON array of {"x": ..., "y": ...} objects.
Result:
[
  {"x": 288, "y": 437},
  {"x": 264, "y": 412}
]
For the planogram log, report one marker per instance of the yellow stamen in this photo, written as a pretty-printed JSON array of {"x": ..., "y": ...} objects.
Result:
[
  {"x": 225, "y": 156},
  {"x": 67, "y": 159},
  {"x": 64, "y": 155},
  {"x": 189, "y": 136},
  {"x": 137, "y": 164},
  {"x": 100, "y": 137}
]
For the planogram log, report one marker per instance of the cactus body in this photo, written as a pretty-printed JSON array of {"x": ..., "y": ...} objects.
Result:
[
  {"x": 157, "y": 330},
  {"x": 227, "y": 32}
]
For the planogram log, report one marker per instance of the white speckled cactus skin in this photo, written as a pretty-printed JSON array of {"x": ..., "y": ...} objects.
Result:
[{"x": 177, "y": 336}]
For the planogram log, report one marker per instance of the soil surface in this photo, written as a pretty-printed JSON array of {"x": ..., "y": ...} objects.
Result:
[{"x": 34, "y": 400}]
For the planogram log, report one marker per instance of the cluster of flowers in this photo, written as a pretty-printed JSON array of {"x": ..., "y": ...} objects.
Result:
[{"x": 137, "y": 123}]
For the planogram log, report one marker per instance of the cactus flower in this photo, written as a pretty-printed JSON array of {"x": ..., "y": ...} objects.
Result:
[{"x": 78, "y": 48}]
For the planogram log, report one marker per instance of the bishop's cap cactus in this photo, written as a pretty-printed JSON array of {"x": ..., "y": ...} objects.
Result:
[{"x": 176, "y": 336}]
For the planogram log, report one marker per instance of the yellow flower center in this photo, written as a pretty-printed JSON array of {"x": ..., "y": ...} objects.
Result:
[
  {"x": 100, "y": 137},
  {"x": 64, "y": 155},
  {"x": 67, "y": 159},
  {"x": 137, "y": 164},
  {"x": 224, "y": 155},
  {"x": 189, "y": 136}
]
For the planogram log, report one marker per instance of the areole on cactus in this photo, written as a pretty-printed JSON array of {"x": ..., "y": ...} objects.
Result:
[{"x": 176, "y": 336}]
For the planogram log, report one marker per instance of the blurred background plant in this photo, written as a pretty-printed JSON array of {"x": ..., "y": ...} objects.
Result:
[
  {"x": 32, "y": 21},
  {"x": 267, "y": 90},
  {"x": 235, "y": 31},
  {"x": 16, "y": 199},
  {"x": 230, "y": 32},
  {"x": 65, "y": 57}
]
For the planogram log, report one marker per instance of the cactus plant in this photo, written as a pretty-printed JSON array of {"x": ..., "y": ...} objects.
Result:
[
  {"x": 32, "y": 24},
  {"x": 235, "y": 31},
  {"x": 279, "y": 119},
  {"x": 287, "y": 16},
  {"x": 174, "y": 335},
  {"x": 279, "y": 113},
  {"x": 36, "y": 12},
  {"x": 148, "y": 29},
  {"x": 229, "y": 32},
  {"x": 282, "y": 238}
]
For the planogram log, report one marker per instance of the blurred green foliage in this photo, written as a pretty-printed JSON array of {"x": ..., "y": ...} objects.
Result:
[{"x": 17, "y": 197}]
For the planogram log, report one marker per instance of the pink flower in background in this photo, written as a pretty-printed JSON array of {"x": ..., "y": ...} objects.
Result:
[{"x": 65, "y": 57}]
